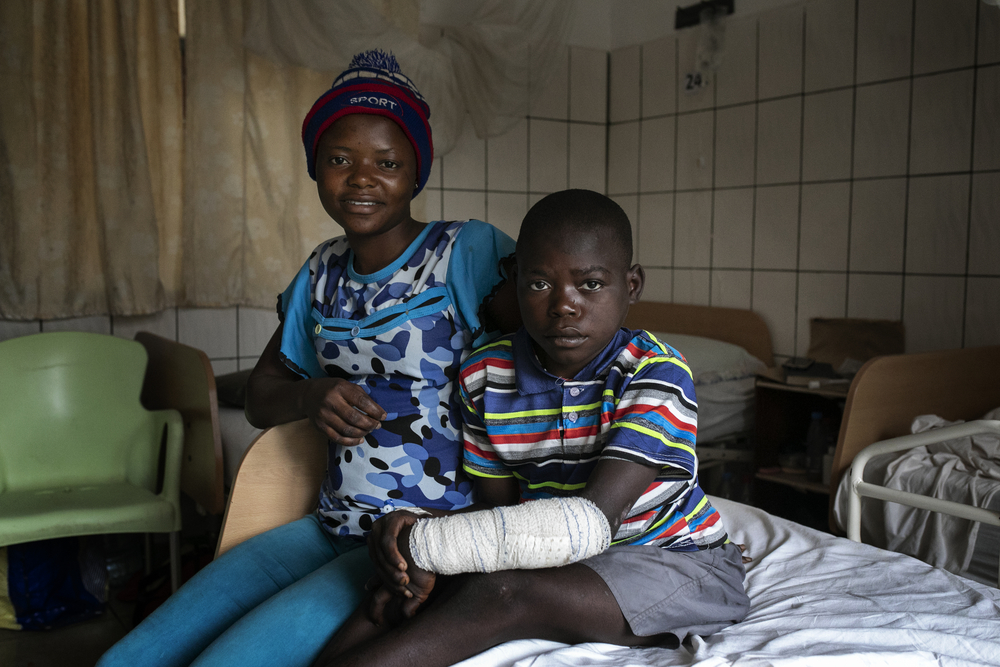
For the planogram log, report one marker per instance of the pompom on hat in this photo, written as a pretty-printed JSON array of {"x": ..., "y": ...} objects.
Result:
[{"x": 373, "y": 84}]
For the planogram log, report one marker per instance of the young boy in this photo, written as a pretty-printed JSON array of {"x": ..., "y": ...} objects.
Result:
[{"x": 594, "y": 425}]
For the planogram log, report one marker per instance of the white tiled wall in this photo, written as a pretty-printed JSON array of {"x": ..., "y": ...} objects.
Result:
[
  {"x": 844, "y": 161},
  {"x": 232, "y": 338}
]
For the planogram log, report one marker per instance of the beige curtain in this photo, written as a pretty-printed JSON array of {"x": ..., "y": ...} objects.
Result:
[
  {"x": 90, "y": 157},
  {"x": 95, "y": 215}
]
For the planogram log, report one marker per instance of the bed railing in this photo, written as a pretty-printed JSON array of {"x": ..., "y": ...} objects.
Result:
[{"x": 860, "y": 488}]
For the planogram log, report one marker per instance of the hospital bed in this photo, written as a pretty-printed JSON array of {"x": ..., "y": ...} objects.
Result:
[
  {"x": 816, "y": 599},
  {"x": 948, "y": 461}
]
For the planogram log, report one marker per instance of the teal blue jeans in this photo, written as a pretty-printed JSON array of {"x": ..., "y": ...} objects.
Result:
[{"x": 273, "y": 600}]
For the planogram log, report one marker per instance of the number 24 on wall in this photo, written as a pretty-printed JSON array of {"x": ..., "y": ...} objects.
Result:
[{"x": 694, "y": 80}]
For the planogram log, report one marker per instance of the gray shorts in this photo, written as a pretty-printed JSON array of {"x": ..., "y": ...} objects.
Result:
[{"x": 681, "y": 592}]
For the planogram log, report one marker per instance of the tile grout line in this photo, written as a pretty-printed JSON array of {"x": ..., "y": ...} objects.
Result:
[
  {"x": 909, "y": 149},
  {"x": 972, "y": 179},
  {"x": 802, "y": 150},
  {"x": 850, "y": 186}
]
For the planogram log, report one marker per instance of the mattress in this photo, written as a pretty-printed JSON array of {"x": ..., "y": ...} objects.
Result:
[{"x": 815, "y": 600}]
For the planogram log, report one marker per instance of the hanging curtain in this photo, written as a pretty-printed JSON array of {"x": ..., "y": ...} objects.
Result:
[
  {"x": 253, "y": 69},
  {"x": 90, "y": 157}
]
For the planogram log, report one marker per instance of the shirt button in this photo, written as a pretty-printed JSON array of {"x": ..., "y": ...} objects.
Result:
[
  {"x": 575, "y": 391},
  {"x": 572, "y": 417},
  {"x": 355, "y": 331},
  {"x": 319, "y": 328}
]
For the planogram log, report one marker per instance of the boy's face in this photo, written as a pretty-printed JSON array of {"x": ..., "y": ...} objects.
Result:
[{"x": 574, "y": 294}]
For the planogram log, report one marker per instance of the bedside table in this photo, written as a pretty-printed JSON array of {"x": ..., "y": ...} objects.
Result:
[{"x": 783, "y": 413}]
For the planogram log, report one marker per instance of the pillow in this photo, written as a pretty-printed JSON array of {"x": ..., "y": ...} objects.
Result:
[
  {"x": 231, "y": 388},
  {"x": 711, "y": 360}
]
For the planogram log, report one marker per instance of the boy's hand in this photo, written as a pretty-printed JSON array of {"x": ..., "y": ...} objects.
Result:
[
  {"x": 341, "y": 410},
  {"x": 384, "y": 551}
]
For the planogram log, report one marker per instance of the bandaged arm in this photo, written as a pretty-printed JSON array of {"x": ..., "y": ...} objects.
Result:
[{"x": 536, "y": 534}]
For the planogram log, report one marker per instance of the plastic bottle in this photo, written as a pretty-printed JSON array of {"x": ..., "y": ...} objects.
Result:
[
  {"x": 828, "y": 464},
  {"x": 816, "y": 445}
]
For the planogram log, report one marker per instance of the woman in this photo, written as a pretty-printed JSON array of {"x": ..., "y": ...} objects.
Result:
[{"x": 373, "y": 330}]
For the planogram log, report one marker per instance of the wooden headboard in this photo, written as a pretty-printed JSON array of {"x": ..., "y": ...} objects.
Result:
[
  {"x": 888, "y": 392},
  {"x": 732, "y": 325}
]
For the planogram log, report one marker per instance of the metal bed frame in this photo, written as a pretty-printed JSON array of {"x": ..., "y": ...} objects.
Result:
[{"x": 860, "y": 488}]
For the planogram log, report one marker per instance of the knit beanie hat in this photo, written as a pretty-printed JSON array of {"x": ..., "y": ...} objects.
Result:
[{"x": 373, "y": 84}]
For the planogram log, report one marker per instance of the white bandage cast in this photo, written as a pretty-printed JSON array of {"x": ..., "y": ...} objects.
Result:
[{"x": 536, "y": 534}]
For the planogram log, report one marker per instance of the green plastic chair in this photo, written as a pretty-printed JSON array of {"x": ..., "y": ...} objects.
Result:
[{"x": 79, "y": 455}]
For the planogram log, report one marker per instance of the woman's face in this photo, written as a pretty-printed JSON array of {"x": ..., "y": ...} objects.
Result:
[{"x": 366, "y": 172}]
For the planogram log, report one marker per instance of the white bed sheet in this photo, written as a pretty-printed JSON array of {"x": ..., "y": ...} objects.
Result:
[{"x": 816, "y": 600}]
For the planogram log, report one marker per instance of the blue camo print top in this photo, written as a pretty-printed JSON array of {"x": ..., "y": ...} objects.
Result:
[{"x": 401, "y": 334}]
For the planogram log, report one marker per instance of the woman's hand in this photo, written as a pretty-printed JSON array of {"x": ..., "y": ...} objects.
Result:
[
  {"x": 383, "y": 549},
  {"x": 419, "y": 585},
  {"x": 341, "y": 410}
]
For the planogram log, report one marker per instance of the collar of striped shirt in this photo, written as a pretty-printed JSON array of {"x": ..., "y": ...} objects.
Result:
[{"x": 532, "y": 378}]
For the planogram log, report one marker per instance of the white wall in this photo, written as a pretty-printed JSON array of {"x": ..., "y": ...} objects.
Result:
[
  {"x": 232, "y": 338},
  {"x": 604, "y": 25}
]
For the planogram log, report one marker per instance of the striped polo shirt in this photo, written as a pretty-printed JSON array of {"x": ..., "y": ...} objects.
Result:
[{"x": 634, "y": 402}]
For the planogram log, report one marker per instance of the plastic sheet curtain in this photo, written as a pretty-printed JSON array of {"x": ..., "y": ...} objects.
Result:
[
  {"x": 253, "y": 69},
  {"x": 487, "y": 64},
  {"x": 90, "y": 157}
]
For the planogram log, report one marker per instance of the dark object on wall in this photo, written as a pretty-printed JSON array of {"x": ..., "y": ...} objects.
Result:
[{"x": 692, "y": 15}]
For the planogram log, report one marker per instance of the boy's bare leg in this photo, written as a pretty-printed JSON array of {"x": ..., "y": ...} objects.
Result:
[
  {"x": 570, "y": 604},
  {"x": 356, "y": 630},
  {"x": 359, "y": 627}
]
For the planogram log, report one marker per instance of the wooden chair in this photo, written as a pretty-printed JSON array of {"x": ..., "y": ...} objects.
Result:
[
  {"x": 277, "y": 482},
  {"x": 180, "y": 377}
]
